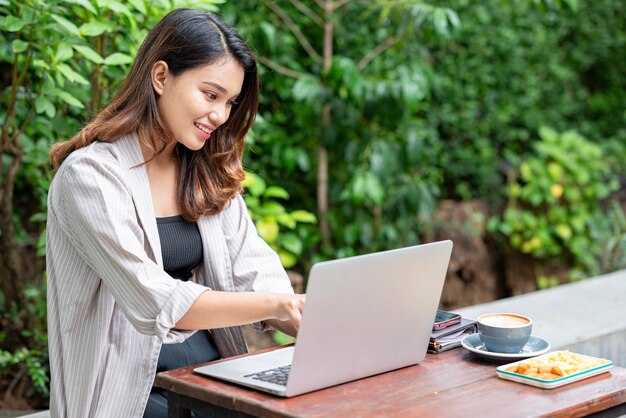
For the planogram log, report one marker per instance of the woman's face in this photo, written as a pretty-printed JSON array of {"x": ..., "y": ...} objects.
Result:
[{"x": 197, "y": 101}]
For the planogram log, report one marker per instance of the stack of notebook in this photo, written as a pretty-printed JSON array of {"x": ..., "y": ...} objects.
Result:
[{"x": 451, "y": 336}]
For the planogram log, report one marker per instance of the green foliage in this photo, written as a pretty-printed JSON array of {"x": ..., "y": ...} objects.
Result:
[
  {"x": 60, "y": 62},
  {"x": 30, "y": 361},
  {"x": 439, "y": 111},
  {"x": 514, "y": 66},
  {"x": 68, "y": 58},
  {"x": 554, "y": 199},
  {"x": 546, "y": 282},
  {"x": 610, "y": 232},
  {"x": 277, "y": 226},
  {"x": 380, "y": 184},
  {"x": 33, "y": 361}
]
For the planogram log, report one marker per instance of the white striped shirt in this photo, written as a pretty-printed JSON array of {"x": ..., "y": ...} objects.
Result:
[{"x": 110, "y": 303}]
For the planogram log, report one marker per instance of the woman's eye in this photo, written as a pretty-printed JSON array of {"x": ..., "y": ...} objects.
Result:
[
  {"x": 232, "y": 102},
  {"x": 211, "y": 96}
]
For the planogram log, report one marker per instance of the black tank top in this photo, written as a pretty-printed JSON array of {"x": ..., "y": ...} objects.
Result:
[{"x": 181, "y": 249}]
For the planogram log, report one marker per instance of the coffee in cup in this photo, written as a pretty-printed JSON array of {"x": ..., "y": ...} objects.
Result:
[{"x": 504, "y": 332}]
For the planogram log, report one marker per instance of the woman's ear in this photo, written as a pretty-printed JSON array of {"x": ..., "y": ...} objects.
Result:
[{"x": 158, "y": 75}]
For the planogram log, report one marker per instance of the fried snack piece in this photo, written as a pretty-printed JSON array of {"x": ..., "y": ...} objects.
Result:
[
  {"x": 522, "y": 367},
  {"x": 557, "y": 371},
  {"x": 532, "y": 372},
  {"x": 545, "y": 369}
]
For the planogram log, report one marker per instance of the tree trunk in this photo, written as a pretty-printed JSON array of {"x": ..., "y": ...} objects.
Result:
[
  {"x": 12, "y": 280},
  {"x": 11, "y": 273},
  {"x": 322, "y": 153},
  {"x": 322, "y": 191}
]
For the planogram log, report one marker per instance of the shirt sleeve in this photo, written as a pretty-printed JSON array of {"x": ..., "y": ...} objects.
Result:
[
  {"x": 99, "y": 217},
  {"x": 256, "y": 266}
]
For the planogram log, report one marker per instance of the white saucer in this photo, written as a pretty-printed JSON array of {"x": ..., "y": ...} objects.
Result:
[{"x": 534, "y": 347}]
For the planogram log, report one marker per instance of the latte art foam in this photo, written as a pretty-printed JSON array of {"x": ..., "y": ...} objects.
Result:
[{"x": 504, "y": 321}]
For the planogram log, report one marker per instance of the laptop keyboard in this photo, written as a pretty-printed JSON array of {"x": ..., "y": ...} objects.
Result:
[{"x": 277, "y": 375}]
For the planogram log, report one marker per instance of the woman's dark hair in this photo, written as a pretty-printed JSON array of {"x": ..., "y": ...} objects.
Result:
[{"x": 184, "y": 39}]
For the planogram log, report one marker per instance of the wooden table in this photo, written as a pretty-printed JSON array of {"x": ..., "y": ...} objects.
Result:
[{"x": 450, "y": 384}]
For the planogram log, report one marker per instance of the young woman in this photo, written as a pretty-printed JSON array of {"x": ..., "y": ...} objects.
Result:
[{"x": 148, "y": 237}]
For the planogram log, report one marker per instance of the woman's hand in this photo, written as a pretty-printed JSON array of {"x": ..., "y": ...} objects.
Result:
[{"x": 289, "y": 314}]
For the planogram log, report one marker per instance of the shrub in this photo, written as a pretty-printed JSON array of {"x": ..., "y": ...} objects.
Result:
[{"x": 555, "y": 197}]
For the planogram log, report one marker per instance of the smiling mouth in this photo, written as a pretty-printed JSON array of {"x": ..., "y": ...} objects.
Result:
[{"x": 206, "y": 134}]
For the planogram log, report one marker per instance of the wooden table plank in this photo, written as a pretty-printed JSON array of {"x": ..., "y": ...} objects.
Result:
[{"x": 449, "y": 384}]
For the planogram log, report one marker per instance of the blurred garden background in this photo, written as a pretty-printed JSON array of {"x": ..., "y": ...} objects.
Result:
[{"x": 500, "y": 124}]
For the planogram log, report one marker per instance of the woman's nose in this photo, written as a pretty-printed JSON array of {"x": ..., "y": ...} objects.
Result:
[{"x": 218, "y": 115}]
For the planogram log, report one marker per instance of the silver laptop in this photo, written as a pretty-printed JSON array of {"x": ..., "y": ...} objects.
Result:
[{"x": 363, "y": 315}]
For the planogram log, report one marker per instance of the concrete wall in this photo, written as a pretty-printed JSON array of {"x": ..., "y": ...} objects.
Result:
[{"x": 586, "y": 317}]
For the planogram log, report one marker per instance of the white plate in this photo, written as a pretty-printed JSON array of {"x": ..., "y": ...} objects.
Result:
[
  {"x": 534, "y": 347},
  {"x": 549, "y": 384}
]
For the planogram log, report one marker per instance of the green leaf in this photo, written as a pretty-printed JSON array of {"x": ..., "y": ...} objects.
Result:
[
  {"x": 453, "y": 18},
  {"x": 44, "y": 105},
  {"x": 94, "y": 28},
  {"x": 72, "y": 75},
  {"x": 19, "y": 46},
  {"x": 307, "y": 89},
  {"x": 440, "y": 20},
  {"x": 63, "y": 53},
  {"x": 303, "y": 160},
  {"x": 284, "y": 219},
  {"x": 67, "y": 25},
  {"x": 270, "y": 34},
  {"x": 303, "y": 216},
  {"x": 139, "y": 5},
  {"x": 164, "y": 3},
  {"x": 254, "y": 183},
  {"x": 69, "y": 99},
  {"x": 205, "y": 5},
  {"x": 38, "y": 217},
  {"x": 286, "y": 258},
  {"x": 89, "y": 53},
  {"x": 291, "y": 242},
  {"x": 13, "y": 24},
  {"x": 275, "y": 191},
  {"x": 116, "y": 7},
  {"x": 252, "y": 202},
  {"x": 548, "y": 134},
  {"x": 359, "y": 189},
  {"x": 37, "y": 63},
  {"x": 267, "y": 229},
  {"x": 374, "y": 189},
  {"x": 118, "y": 58},
  {"x": 272, "y": 208},
  {"x": 563, "y": 231},
  {"x": 85, "y": 3},
  {"x": 573, "y": 4}
]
